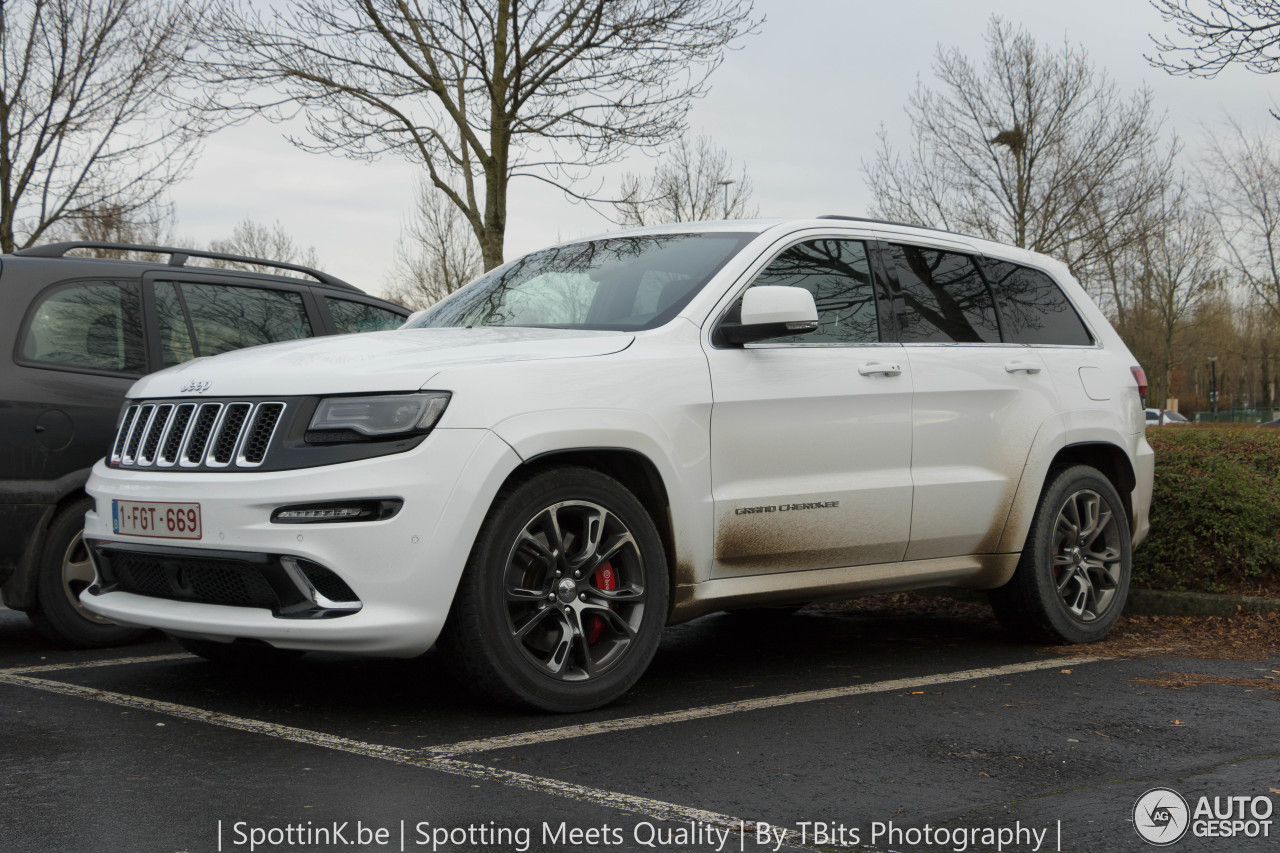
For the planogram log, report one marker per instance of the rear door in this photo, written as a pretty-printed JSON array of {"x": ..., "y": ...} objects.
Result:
[
  {"x": 811, "y": 435},
  {"x": 978, "y": 400}
]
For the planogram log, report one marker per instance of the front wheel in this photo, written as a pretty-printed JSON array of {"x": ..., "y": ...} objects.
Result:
[
  {"x": 564, "y": 598},
  {"x": 1073, "y": 578},
  {"x": 65, "y": 571}
]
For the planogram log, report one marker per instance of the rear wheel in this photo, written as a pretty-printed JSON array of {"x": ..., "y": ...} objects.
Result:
[
  {"x": 564, "y": 597},
  {"x": 1073, "y": 578},
  {"x": 65, "y": 571}
]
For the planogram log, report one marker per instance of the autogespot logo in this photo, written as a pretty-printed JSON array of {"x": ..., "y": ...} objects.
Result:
[{"x": 1161, "y": 816}]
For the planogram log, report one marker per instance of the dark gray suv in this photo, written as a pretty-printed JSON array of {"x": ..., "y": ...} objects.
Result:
[{"x": 80, "y": 331}]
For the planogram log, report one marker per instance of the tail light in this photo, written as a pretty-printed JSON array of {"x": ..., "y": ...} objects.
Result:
[{"x": 1141, "y": 376}]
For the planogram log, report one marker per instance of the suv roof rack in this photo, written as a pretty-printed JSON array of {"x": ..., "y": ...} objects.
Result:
[
  {"x": 178, "y": 257},
  {"x": 875, "y": 221}
]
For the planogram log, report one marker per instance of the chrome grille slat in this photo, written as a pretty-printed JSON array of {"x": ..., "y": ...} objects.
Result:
[
  {"x": 196, "y": 435},
  {"x": 257, "y": 438},
  {"x": 122, "y": 437},
  {"x": 141, "y": 424},
  {"x": 226, "y": 437},
  {"x": 155, "y": 430},
  {"x": 174, "y": 435},
  {"x": 207, "y": 421}
]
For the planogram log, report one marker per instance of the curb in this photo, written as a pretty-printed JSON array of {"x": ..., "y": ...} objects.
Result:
[{"x": 1155, "y": 602}]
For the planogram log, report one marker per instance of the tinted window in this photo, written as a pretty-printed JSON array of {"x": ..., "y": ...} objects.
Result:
[
  {"x": 227, "y": 318},
  {"x": 941, "y": 297},
  {"x": 94, "y": 325},
  {"x": 175, "y": 337},
  {"x": 351, "y": 316},
  {"x": 1036, "y": 311},
  {"x": 616, "y": 283},
  {"x": 838, "y": 275}
]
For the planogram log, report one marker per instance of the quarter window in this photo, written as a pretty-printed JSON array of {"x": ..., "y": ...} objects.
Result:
[
  {"x": 838, "y": 275},
  {"x": 1036, "y": 311},
  {"x": 349, "y": 316},
  {"x": 92, "y": 325},
  {"x": 941, "y": 298}
]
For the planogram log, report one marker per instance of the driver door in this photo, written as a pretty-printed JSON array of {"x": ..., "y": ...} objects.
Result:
[{"x": 811, "y": 434}]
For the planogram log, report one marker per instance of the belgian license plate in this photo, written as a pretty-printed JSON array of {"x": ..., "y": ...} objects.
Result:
[{"x": 156, "y": 520}]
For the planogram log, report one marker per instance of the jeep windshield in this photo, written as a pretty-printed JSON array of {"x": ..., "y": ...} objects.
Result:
[{"x": 616, "y": 284}]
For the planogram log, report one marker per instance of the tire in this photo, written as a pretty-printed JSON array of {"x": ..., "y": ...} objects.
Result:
[
  {"x": 1073, "y": 578},
  {"x": 63, "y": 572},
  {"x": 524, "y": 630},
  {"x": 238, "y": 654}
]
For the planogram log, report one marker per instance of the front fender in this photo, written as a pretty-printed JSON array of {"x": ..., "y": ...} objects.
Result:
[{"x": 678, "y": 454}]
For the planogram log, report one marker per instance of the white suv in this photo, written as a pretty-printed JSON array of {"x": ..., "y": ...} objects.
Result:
[{"x": 620, "y": 433}]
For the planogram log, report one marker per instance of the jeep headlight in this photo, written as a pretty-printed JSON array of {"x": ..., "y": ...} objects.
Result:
[{"x": 340, "y": 419}]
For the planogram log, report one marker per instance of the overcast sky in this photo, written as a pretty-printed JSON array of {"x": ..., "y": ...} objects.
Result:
[{"x": 799, "y": 104}]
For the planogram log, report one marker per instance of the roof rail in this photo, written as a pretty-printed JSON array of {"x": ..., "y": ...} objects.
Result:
[
  {"x": 178, "y": 257},
  {"x": 874, "y": 221}
]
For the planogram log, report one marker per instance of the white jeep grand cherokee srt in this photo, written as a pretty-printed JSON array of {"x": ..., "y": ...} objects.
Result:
[{"x": 616, "y": 434}]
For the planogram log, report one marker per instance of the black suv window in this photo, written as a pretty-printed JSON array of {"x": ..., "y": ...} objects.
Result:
[
  {"x": 1036, "y": 311},
  {"x": 93, "y": 325},
  {"x": 838, "y": 275},
  {"x": 941, "y": 297},
  {"x": 223, "y": 318},
  {"x": 349, "y": 316}
]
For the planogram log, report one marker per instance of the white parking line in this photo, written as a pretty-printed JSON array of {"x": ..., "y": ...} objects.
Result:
[
  {"x": 440, "y": 758},
  {"x": 626, "y": 723},
  {"x": 53, "y": 667},
  {"x": 649, "y": 808}
]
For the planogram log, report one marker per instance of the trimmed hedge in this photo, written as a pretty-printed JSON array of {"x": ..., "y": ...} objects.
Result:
[{"x": 1215, "y": 514}]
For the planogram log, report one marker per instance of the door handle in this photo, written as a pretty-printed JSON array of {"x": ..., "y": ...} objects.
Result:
[
  {"x": 872, "y": 368},
  {"x": 1019, "y": 366}
]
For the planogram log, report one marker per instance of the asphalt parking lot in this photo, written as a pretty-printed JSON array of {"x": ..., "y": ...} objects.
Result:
[{"x": 832, "y": 728}]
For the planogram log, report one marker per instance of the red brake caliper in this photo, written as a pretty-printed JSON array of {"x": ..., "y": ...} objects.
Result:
[{"x": 606, "y": 579}]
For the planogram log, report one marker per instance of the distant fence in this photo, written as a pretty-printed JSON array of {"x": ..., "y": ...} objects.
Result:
[{"x": 1236, "y": 416}]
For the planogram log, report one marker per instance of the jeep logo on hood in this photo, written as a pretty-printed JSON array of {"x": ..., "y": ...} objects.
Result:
[{"x": 195, "y": 386}]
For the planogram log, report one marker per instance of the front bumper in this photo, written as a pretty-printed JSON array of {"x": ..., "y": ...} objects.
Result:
[{"x": 403, "y": 570}]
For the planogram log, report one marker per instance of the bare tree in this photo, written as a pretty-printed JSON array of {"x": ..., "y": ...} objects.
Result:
[
  {"x": 153, "y": 226},
  {"x": 437, "y": 252},
  {"x": 693, "y": 182},
  {"x": 1212, "y": 34},
  {"x": 255, "y": 240},
  {"x": 88, "y": 123},
  {"x": 1035, "y": 148},
  {"x": 1181, "y": 268},
  {"x": 479, "y": 91},
  {"x": 1241, "y": 181}
]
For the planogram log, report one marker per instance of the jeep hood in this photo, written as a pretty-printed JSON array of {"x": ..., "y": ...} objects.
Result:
[{"x": 399, "y": 360}]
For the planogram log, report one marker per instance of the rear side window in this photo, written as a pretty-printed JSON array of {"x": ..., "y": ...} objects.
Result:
[
  {"x": 1036, "y": 311},
  {"x": 838, "y": 275},
  {"x": 941, "y": 297},
  {"x": 349, "y": 316},
  {"x": 90, "y": 325},
  {"x": 223, "y": 318}
]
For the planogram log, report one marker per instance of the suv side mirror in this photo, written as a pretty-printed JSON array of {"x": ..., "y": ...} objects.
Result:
[{"x": 770, "y": 311}]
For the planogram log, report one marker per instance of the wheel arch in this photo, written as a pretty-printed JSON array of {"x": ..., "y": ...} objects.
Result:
[
  {"x": 634, "y": 470},
  {"x": 1103, "y": 449},
  {"x": 19, "y": 589}
]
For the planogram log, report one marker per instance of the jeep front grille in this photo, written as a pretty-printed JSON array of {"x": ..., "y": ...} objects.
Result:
[{"x": 175, "y": 433}]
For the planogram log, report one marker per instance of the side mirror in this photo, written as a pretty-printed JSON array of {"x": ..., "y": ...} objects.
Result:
[
  {"x": 415, "y": 315},
  {"x": 769, "y": 311}
]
